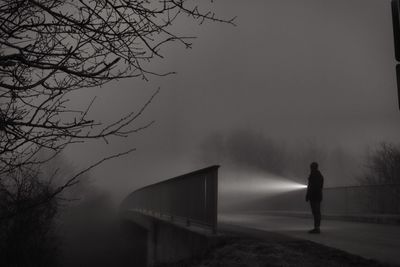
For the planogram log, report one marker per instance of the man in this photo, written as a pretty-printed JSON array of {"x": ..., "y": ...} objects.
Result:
[{"x": 314, "y": 195}]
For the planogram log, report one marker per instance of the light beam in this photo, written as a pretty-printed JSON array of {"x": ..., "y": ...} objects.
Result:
[{"x": 260, "y": 184}]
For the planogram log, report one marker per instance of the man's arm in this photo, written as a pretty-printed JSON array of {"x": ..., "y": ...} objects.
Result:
[{"x": 322, "y": 182}]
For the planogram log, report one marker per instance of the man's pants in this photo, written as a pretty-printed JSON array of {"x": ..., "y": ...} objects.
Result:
[{"x": 316, "y": 211}]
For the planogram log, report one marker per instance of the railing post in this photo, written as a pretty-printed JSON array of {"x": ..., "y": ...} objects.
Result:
[
  {"x": 214, "y": 204},
  {"x": 346, "y": 191}
]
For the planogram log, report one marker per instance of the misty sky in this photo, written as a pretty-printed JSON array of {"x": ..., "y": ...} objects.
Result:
[{"x": 320, "y": 70}]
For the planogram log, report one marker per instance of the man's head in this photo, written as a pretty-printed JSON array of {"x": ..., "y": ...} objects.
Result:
[{"x": 314, "y": 166}]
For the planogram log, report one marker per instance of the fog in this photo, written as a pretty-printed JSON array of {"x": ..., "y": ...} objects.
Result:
[
  {"x": 256, "y": 167},
  {"x": 293, "y": 82}
]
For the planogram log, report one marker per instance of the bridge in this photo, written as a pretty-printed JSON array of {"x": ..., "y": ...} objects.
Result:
[
  {"x": 181, "y": 220},
  {"x": 179, "y": 215}
]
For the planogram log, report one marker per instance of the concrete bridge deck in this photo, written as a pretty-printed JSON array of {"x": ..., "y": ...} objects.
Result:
[{"x": 372, "y": 241}]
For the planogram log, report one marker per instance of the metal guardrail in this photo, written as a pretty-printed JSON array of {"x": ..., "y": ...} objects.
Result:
[
  {"x": 192, "y": 197},
  {"x": 372, "y": 199},
  {"x": 347, "y": 200}
]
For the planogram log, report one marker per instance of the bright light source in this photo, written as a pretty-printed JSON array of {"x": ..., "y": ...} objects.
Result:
[{"x": 296, "y": 186}]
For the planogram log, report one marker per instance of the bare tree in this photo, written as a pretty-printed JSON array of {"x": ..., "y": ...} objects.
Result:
[
  {"x": 381, "y": 178},
  {"x": 25, "y": 233},
  {"x": 51, "y": 48},
  {"x": 382, "y": 166}
]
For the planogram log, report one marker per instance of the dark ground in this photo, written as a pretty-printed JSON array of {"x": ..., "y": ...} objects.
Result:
[{"x": 259, "y": 249}]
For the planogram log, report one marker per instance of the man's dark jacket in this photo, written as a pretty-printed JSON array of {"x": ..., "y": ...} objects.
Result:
[{"x": 315, "y": 184}]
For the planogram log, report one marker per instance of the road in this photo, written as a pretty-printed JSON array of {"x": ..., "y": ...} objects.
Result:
[{"x": 372, "y": 241}]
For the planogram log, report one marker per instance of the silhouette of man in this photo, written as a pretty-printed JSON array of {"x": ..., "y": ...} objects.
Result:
[{"x": 314, "y": 195}]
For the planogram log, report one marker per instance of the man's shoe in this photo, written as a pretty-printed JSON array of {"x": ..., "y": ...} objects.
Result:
[{"x": 314, "y": 231}]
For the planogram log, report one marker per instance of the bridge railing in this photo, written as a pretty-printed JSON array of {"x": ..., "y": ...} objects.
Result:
[
  {"x": 192, "y": 197},
  {"x": 380, "y": 199},
  {"x": 358, "y": 199}
]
